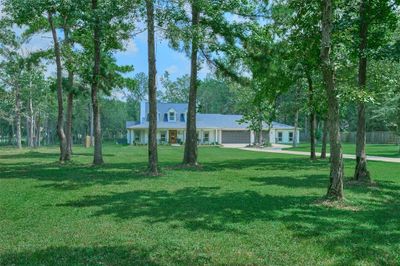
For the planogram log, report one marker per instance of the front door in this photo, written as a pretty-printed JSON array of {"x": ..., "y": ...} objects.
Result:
[{"x": 172, "y": 136}]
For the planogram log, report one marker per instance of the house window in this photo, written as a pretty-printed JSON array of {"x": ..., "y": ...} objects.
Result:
[
  {"x": 206, "y": 137},
  {"x": 163, "y": 137},
  {"x": 182, "y": 117},
  {"x": 290, "y": 136},
  {"x": 137, "y": 136},
  {"x": 165, "y": 117},
  {"x": 171, "y": 116},
  {"x": 148, "y": 118},
  {"x": 280, "y": 136}
]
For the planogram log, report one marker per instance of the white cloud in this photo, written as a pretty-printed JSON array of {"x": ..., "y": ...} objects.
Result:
[
  {"x": 172, "y": 69},
  {"x": 131, "y": 47}
]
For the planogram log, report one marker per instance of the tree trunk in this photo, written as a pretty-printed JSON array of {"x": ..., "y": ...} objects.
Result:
[
  {"x": 37, "y": 143},
  {"x": 190, "y": 153},
  {"x": 68, "y": 131},
  {"x": 27, "y": 130},
  {"x": 324, "y": 139},
  {"x": 60, "y": 117},
  {"x": 70, "y": 99},
  {"x": 313, "y": 116},
  {"x": 361, "y": 173},
  {"x": 98, "y": 154},
  {"x": 152, "y": 147},
  {"x": 18, "y": 117},
  {"x": 31, "y": 142},
  {"x": 260, "y": 138},
  {"x": 91, "y": 125},
  {"x": 335, "y": 188},
  {"x": 296, "y": 124}
]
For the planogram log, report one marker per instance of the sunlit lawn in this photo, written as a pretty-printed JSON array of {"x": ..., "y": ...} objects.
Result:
[
  {"x": 240, "y": 207},
  {"x": 384, "y": 150}
]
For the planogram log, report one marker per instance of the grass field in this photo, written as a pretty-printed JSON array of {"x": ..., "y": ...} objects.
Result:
[
  {"x": 384, "y": 150},
  {"x": 240, "y": 207}
]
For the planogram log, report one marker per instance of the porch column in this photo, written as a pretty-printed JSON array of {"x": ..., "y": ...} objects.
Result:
[{"x": 272, "y": 137}]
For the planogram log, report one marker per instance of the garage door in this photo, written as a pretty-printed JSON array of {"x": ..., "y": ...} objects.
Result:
[{"x": 232, "y": 136}]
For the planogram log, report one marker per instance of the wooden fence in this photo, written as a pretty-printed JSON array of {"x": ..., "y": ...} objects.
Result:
[{"x": 374, "y": 137}]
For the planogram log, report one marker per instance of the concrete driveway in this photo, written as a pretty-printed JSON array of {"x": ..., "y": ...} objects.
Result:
[{"x": 278, "y": 148}]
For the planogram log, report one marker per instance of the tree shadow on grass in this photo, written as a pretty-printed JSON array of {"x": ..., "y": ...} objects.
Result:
[
  {"x": 301, "y": 181},
  {"x": 75, "y": 176},
  {"x": 367, "y": 236},
  {"x": 288, "y": 164},
  {"x": 370, "y": 235},
  {"x": 103, "y": 255},
  {"x": 195, "y": 208}
]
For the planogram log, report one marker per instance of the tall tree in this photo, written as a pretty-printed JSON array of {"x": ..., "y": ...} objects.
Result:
[
  {"x": 60, "y": 118},
  {"x": 200, "y": 34},
  {"x": 313, "y": 115},
  {"x": 361, "y": 172},
  {"x": 152, "y": 147},
  {"x": 335, "y": 188},
  {"x": 69, "y": 21},
  {"x": 190, "y": 153},
  {"x": 98, "y": 151}
]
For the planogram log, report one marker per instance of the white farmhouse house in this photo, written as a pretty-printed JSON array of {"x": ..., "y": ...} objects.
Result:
[{"x": 211, "y": 128}]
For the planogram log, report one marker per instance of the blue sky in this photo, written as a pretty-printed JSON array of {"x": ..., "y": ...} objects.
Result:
[{"x": 176, "y": 63}]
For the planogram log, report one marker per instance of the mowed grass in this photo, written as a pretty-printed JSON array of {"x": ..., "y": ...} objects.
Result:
[
  {"x": 384, "y": 150},
  {"x": 239, "y": 208}
]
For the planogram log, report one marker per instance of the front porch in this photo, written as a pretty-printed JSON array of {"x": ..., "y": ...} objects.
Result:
[{"x": 174, "y": 136}]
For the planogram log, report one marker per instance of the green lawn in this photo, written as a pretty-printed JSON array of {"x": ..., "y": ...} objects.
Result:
[
  {"x": 241, "y": 207},
  {"x": 384, "y": 150}
]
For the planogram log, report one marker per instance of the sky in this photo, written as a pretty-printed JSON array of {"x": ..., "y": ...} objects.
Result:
[
  {"x": 176, "y": 63},
  {"x": 167, "y": 59}
]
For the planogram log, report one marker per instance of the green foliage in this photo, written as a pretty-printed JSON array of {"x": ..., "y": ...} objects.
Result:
[{"x": 174, "y": 91}]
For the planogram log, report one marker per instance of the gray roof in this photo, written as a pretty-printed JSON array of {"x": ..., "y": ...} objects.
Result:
[
  {"x": 163, "y": 108},
  {"x": 209, "y": 121}
]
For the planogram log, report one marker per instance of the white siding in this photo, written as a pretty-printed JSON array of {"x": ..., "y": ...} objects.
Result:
[{"x": 285, "y": 136}]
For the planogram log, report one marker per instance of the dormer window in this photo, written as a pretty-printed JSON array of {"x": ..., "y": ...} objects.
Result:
[{"x": 171, "y": 115}]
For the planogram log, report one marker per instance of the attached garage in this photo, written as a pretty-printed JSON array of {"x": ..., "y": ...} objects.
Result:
[{"x": 235, "y": 136}]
